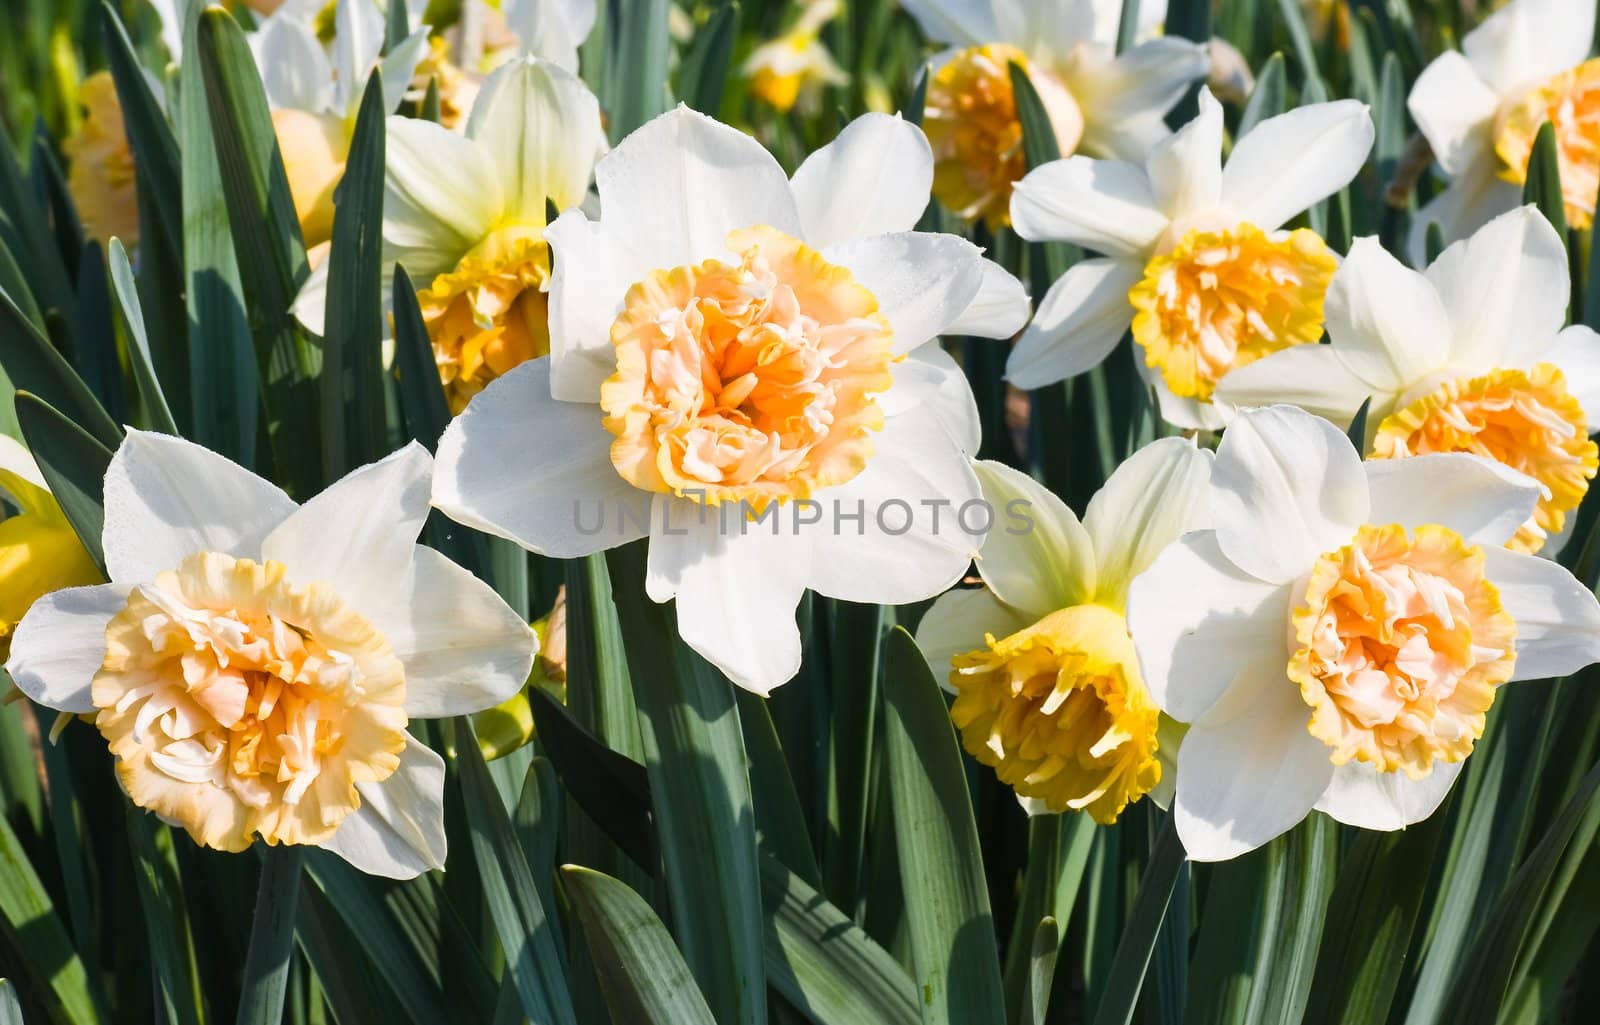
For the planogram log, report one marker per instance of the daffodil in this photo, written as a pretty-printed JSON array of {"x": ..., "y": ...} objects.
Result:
[
  {"x": 1337, "y": 639},
  {"x": 254, "y": 664},
  {"x": 740, "y": 371},
  {"x": 1482, "y": 108},
  {"x": 796, "y": 64},
  {"x": 1193, "y": 252},
  {"x": 314, "y": 99},
  {"x": 1100, "y": 103},
  {"x": 464, "y": 214},
  {"x": 1469, "y": 356},
  {"x": 39, "y": 551},
  {"x": 100, "y": 165},
  {"x": 1047, "y": 688},
  {"x": 551, "y": 30}
]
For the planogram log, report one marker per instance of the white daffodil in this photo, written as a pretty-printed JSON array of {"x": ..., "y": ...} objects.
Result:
[
  {"x": 464, "y": 213},
  {"x": 314, "y": 98},
  {"x": 1481, "y": 110},
  {"x": 1100, "y": 103},
  {"x": 1467, "y": 357},
  {"x": 796, "y": 64},
  {"x": 1192, "y": 252},
  {"x": 1337, "y": 639},
  {"x": 253, "y": 664},
  {"x": 728, "y": 375},
  {"x": 551, "y": 30},
  {"x": 1047, "y": 687}
]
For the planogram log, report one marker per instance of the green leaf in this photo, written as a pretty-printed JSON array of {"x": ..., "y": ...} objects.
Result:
[
  {"x": 422, "y": 399},
  {"x": 22, "y": 218},
  {"x": 1357, "y": 432},
  {"x": 73, "y": 464},
  {"x": 705, "y": 821},
  {"x": 953, "y": 952},
  {"x": 1058, "y": 853},
  {"x": 780, "y": 824},
  {"x": 350, "y": 980},
  {"x": 14, "y": 284},
  {"x": 155, "y": 151},
  {"x": 704, "y": 69},
  {"x": 1304, "y": 885},
  {"x": 352, "y": 408},
  {"x": 1300, "y": 36},
  {"x": 642, "y": 50},
  {"x": 397, "y": 26},
  {"x": 266, "y": 967},
  {"x": 856, "y": 644},
  {"x": 1268, "y": 98},
  {"x": 36, "y": 943},
  {"x": 526, "y": 932},
  {"x": 155, "y": 871},
  {"x": 1543, "y": 184},
  {"x": 32, "y": 364},
  {"x": 1120, "y": 995},
  {"x": 130, "y": 324},
  {"x": 1128, "y": 26},
  {"x": 10, "y": 1010},
  {"x": 641, "y": 973},
  {"x": 1041, "y": 971}
]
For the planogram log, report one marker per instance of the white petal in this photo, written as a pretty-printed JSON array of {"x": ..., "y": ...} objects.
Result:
[
  {"x": 1186, "y": 168},
  {"x": 521, "y": 465},
  {"x": 464, "y": 649},
  {"x": 1197, "y": 620},
  {"x": 1037, "y": 557},
  {"x": 357, "y": 41},
  {"x": 592, "y": 275},
  {"x": 999, "y": 310},
  {"x": 682, "y": 182},
  {"x": 1289, "y": 162},
  {"x": 1131, "y": 138},
  {"x": 873, "y": 179},
  {"x": 310, "y": 305},
  {"x": 919, "y": 505},
  {"x": 551, "y": 29},
  {"x": 441, "y": 196},
  {"x": 962, "y": 22},
  {"x": 1313, "y": 377},
  {"x": 1386, "y": 321},
  {"x": 1455, "y": 110},
  {"x": 399, "y": 67},
  {"x": 1182, "y": 411},
  {"x": 541, "y": 127},
  {"x": 1157, "y": 495},
  {"x": 957, "y": 623},
  {"x": 1558, "y": 619},
  {"x": 294, "y": 69},
  {"x": 1149, "y": 79},
  {"x": 1505, "y": 290},
  {"x": 167, "y": 498},
  {"x": 1249, "y": 771},
  {"x": 930, "y": 375},
  {"x": 1576, "y": 351},
  {"x": 1475, "y": 197},
  {"x": 1363, "y": 796},
  {"x": 398, "y": 831},
  {"x": 1082, "y": 318},
  {"x": 923, "y": 282},
  {"x": 1480, "y": 499},
  {"x": 1530, "y": 40},
  {"x": 1104, "y": 205},
  {"x": 60, "y": 643},
  {"x": 16, "y": 459},
  {"x": 357, "y": 536}
]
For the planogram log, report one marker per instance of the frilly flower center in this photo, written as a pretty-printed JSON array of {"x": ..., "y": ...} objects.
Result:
[
  {"x": 972, "y": 124},
  {"x": 1571, "y": 102},
  {"x": 752, "y": 382},
  {"x": 239, "y": 705},
  {"x": 490, "y": 313},
  {"x": 1218, "y": 300},
  {"x": 1524, "y": 419},
  {"x": 101, "y": 174},
  {"x": 1060, "y": 712},
  {"x": 457, "y": 89},
  {"x": 1401, "y": 644}
]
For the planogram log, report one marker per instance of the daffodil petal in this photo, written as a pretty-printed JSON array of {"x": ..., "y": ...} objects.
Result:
[
  {"x": 540, "y": 126},
  {"x": 873, "y": 179},
  {"x": 1470, "y": 201},
  {"x": 592, "y": 275},
  {"x": 1157, "y": 495},
  {"x": 1107, "y": 206},
  {"x": 1480, "y": 499},
  {"x": 1576, "y": 351},
  {"x": 1558, "y": 619},
  {"x": 441, "y": 196},
  {"x": 923, "y": 282},
  {"x": 1186, "y": 168},
  {"x": 294, "y": 68},
  {"x": 957, "y": 623},
  {"x": 398, "y": 831},
  {"x": 60, "y": 643},
  {"x": 1364, "y": 796},
  {"x": 551, "y": 29},
  {"x": 999, "y": 310},
  {"x": 1149, "y": 78},
  {"x": 1455, "y": 110},
  {"x": 1289, "y": 162},
  {"x": 1388, "y": 323},
  {"x": 1038, "y": 557},
  {"x": 1080, "y": 321},
  {"x": 1529, "y": 40},
  {"x": 1313, "y": 377},
  {"x": 960, "y": 22},
  {"x": 930, "y": 375}
]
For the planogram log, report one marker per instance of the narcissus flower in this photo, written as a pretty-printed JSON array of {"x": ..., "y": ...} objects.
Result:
[
  {"x": 796, "y": 64},
  {"x": 1100, "y": 103},
  {"x": 1336, "y": 641},
  {"x": 550, "y": 29},
  {"x": 1481, "y": 110},
  {"x": 1047, "y": 689},
  {"x": 1194, "y": 257},
  {"x": 464, "y": 214},
  {"x": 100, "y": 169},
  {"x": 39, "y": 551},
  {"x": 314, "y": 99},
  {"x": 1468, "y": 357},
  {"x": 739, "y": 370},
  {"x": 254, "y": 664}
]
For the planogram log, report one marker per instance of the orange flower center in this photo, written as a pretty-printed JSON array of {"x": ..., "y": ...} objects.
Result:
[
  {"x": 237, "y": 704},
  {"x": 1571, "y": 102},
  {"x": 750, "y": 382},
  {"x": 1222, "y": 299},
  {"x": 1524, "y": 419},
  {"x": 101, "y": 176},
  {"x": 1401, "y": 644}
]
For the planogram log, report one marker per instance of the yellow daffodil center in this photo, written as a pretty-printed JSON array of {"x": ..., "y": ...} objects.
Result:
[
  {"x": 1571, "y": 102},
  {"x": 314, "y": 148},
  {"x": 456, "y": 89},
  {"x": 751, "y": 382},
  {"x": 39, "y": 552},
  {"x": 796, "y": 62},
  {"x": 1223, "y": 299},
  {"x": 1060, "y": 712},
  {"x": 1524, "y": 419},
  {"x": 100, "y": 177},
  {"x": 1401, "y": 644},
  {"x": 490, "y": 313},
  {"x": 971, "y": 121},
  {"x": 238, "y": 704}
]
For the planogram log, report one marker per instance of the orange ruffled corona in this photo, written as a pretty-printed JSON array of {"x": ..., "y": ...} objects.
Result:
[
  {"x": 1223, "y": 299},
  {"x": 1401, "y": 644},
  {"x": 1060, "y": 712},
  {"x": 239, "y": 705},
  {"x": 101, "y": 177},
  {"x": 750, "y": 382},
  {"x": 1524, "y": 419},
  {"x": 1571, "y": 102}
]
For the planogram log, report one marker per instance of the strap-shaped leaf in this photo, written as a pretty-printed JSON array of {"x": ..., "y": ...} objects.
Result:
[{"x": 73, "y": 464}]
